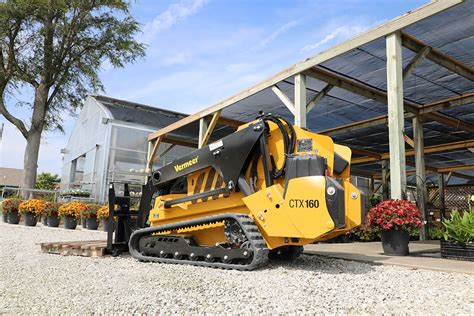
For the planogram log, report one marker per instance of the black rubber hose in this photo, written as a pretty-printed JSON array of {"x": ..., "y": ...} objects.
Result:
[{"x": 288, "y": 141}]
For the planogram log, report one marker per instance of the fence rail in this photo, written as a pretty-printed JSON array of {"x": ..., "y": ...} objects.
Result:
[{"x": 34, "y": 193}]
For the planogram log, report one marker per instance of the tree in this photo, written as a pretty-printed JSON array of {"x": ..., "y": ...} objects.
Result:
[
  {"x": 56, "y": 48},
  {"x": 47, "y": 181}
]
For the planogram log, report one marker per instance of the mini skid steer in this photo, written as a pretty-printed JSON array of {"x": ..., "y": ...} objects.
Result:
[{"x": 262, "y": 192}]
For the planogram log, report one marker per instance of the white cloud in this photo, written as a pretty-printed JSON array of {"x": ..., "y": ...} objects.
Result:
[
  {"x": 175, "y": 13},
  {"x": 177, "y": 60},
  {"x": 279, "y": 31},
  {"x": 340, "y": 33}
]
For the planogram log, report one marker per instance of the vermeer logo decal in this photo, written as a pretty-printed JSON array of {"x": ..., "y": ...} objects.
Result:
[{"x": 186, "y": 164}]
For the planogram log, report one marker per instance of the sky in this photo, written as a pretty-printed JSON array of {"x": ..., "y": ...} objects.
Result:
[{"x": 203, "y": 51}]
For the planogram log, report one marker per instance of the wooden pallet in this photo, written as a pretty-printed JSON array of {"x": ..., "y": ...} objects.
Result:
[{"x": 85, "y": 248}]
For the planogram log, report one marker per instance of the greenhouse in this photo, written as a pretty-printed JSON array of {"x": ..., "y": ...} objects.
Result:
[{"x": 109, "y": 144}]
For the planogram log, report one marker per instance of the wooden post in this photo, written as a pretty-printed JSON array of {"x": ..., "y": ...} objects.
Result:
[
  {"x": 152, "y": 153},
  {"x": 420, "y": 175},
  {"x": 442, "y": 205},
  {"x": 396, "y": 116},
  {"x": 204, "y": 138},
  {"x": 384, "y": 180},
  {"x": 300, "y": 100},
  {"x": 203, "y": 125}
]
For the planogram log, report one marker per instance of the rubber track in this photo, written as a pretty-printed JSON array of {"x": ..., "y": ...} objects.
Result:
[{"x": 256, "y": 241}]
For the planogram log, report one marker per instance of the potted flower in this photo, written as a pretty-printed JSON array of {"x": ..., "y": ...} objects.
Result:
[
  {"x": 458, "y": 240},
  {"x": 32, "y": 209},
  {"x": 10, "y": 207},
  {"x": 71, "y": 212},
  {"x": 90, "y": 214},
  {"x": 4, "y": 214},
  {"x": 103, "y": 215},
  {"x": 53, "y": 215},
  {"x": 394, "y": 219}
]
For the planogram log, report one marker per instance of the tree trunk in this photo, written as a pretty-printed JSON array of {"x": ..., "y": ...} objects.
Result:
[
  {"x": 33, "y": 141},
  {"x": 31, "y": 161}
]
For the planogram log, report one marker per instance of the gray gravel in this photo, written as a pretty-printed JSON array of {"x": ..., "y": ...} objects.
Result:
[{"x": 34, "y": 282}]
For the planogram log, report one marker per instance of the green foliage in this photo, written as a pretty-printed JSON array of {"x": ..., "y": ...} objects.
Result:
[
  {"x": 374, "y": 200},
  {"x": 57, "y": 48},
  {"x": 459, "y": 229},
  {"x": 61, "y": 45},
  {"x": 366, "y": 233},
  {"x": 436, "y": 233},
  {"x": 47, "y": 181}
]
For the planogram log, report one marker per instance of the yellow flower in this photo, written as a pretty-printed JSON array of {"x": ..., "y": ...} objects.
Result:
[
  {"x": 72, "y": 209},
  {"x": 36, "y": 207}
]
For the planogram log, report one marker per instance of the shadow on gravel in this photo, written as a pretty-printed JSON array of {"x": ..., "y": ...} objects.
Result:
[{"x": 316, "y": 263}]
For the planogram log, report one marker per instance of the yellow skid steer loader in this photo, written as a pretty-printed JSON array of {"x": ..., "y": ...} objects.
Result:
[{"x": 264, "y": 191}]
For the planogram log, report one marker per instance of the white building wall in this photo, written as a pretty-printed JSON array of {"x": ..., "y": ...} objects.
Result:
[
  {"x": 111, "y": 151},
  {"x": 87, "y": 140}
]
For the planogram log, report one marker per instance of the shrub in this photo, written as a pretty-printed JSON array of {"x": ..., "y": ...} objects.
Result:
[
  {"x": 103, "y": 213},
  {"x": 395, "y": 214},
  {"x": 90, "y": 211},
  {"x": 459, "y": 229},
  {"x": 365, "y": 233},
  {"x": 36, "y": 207},
  {"x": 11, "y": 205},
  {"x": 53, "y": 211},
  {"x": 72, "y": 209}
]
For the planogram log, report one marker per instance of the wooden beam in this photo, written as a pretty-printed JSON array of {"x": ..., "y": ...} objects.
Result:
[
  {"x": 456, "y": 168},
  {"x": 180, "y": 142},
  {"x": 356, "y": 87},
  {"x": 450, "y": 121},
  {"x": 442, "y": 207},
  {"x": 447, "y": 103},
  {"x": 396, "y": 116},
  {"x": 379, "y": 120},
  {"x": 207, "y": 134},
  {"x": 420, "y": 175},
  {"x": 376, "y": 94},
  {"x": 229, "y": 122},
  {"x": 415, "y": 61},
  {"x": 165, "y": 151},
  {"x": 300, "y": 100},
  {"x": 318, "y": 97},
  {"x": 284, "y": 99},
  {"x": 464, "y": 144},
  {"x": 383, "y": 119},
  {"x": 203, "y": 124},
  {"x": 389, "y": 27},
  {"x": 385, "y": 178},
  {"x": 438, "y": 57},
  {"x": 448, "y": 177},
  {"x": 366, "y": 153},
  {"x": 151, "y": 155},
  {"x": 408, "y": 140}
]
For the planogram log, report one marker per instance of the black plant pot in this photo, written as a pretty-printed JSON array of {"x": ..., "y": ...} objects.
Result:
[
  {"x": 106, "y": 225},
  {"x": 451, "y": 250},
  {"x": 92, "y": 223},
  {"x": 13, "y": 218},
  {"x": 70, "y": 222},
  {"x": 44, "y": 220},
  {"x": 395, "y": 243},
  {"x": 53, "y": 221},
  {"x": 84, "y": 223},
  {"x": 5, "y": 217},
  {"x": 30, "y": 219}
]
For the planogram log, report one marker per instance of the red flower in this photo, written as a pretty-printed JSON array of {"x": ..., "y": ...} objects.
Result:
[{"x": 388, "y": 213}]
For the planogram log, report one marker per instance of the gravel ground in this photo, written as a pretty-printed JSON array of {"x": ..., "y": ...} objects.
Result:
[{"x": 38, "y": 283}]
